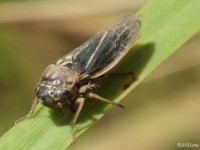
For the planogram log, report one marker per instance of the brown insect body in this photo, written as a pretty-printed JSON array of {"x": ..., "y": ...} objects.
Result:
[{"x": 67, "y": 82}]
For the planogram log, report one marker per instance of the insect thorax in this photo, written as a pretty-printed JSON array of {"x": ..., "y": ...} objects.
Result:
[{"x": 63, "y": 73}]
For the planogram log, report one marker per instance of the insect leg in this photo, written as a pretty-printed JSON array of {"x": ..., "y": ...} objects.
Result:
[
  {"x": 79, "y": 103},
  {"x": 33, "y": 106},
  {"x": 88, "y": 87},
  {"x": 95, "y": 96}
]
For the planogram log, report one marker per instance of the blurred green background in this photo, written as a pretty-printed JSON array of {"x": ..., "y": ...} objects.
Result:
[{"x": 160, "y": 113}]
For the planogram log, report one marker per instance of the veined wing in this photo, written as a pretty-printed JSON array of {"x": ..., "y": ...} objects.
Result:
[{"x": 103, "y": 51}]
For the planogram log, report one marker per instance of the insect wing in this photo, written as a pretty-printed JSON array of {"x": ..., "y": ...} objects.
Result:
[{"x": 103, "y": 51}]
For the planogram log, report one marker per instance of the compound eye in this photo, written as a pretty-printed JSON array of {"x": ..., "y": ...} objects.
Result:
[
  {"x": 42, "y": 92},
  {"x": 57, "y": 82},
  {"x": 62, "y": 94},
  {"x": 66, "y": 92}
]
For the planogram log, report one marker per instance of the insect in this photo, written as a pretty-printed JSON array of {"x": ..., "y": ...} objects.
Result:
[{"x": 66, "y": 83}]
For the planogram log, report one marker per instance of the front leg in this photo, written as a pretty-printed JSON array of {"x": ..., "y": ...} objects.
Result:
[
  {"x": 79, "y": 103},
  {"x": 87, "y": 88},
  {"x": 34, "y": 104}
]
